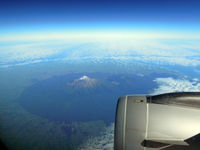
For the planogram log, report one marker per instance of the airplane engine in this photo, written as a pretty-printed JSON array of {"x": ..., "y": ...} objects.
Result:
[{"x": 160, "y": 122}]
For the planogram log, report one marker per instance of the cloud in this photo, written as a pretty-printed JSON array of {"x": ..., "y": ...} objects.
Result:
[
  {"x": 153, "y": 51},
  {"x": 13, "y": 54},
  {"x": 166, "y": 85},
  {"x": 156, "y": 51},
  {"x": 23, "y": 54},
  {"x": 170, "y": 60},
  {"x": 103, "y": 142}
]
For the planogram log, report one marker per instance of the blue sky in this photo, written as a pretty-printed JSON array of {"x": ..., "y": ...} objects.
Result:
[
  {"x": 83, "y": 15},
  {"x": 44, "y": 11}
]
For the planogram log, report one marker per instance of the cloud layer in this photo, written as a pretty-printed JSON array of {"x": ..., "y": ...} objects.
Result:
[
  {"x": 166, "y": 85},
  {"x": 103, "y": 142},
  {"x": 154, "y": 51}
]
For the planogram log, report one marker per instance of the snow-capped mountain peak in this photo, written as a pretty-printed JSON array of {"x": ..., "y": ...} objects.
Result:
[
  {"x": 84, "y": 82},
  {"x": 84, "y": 78}
]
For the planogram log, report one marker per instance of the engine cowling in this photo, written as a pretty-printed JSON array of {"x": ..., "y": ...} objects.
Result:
[{"x": 165, "y": 122}]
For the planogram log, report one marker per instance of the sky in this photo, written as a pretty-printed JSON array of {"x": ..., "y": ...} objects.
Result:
[
  {"x": 66, "y": 11},
  {"x": 49, "y": 16},
  {"x": 158, "y": 31}
]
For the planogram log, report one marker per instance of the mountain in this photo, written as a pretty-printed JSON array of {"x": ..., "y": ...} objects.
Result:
[{"x": 84, "y": 82}]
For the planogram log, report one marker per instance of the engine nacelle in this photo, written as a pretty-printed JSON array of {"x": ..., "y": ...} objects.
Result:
[{"x": 165, "y": 122}]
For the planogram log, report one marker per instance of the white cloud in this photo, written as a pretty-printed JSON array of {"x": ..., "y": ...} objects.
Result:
[
  {"x": 181, "y": 52},
  {"x": 26, "y": 52},
  {"x": 170, "y": 60},
  {"x": 185, "y": 53},
  {"x": 103, "y": 142},
  {"x": 166, "y": 85}
]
